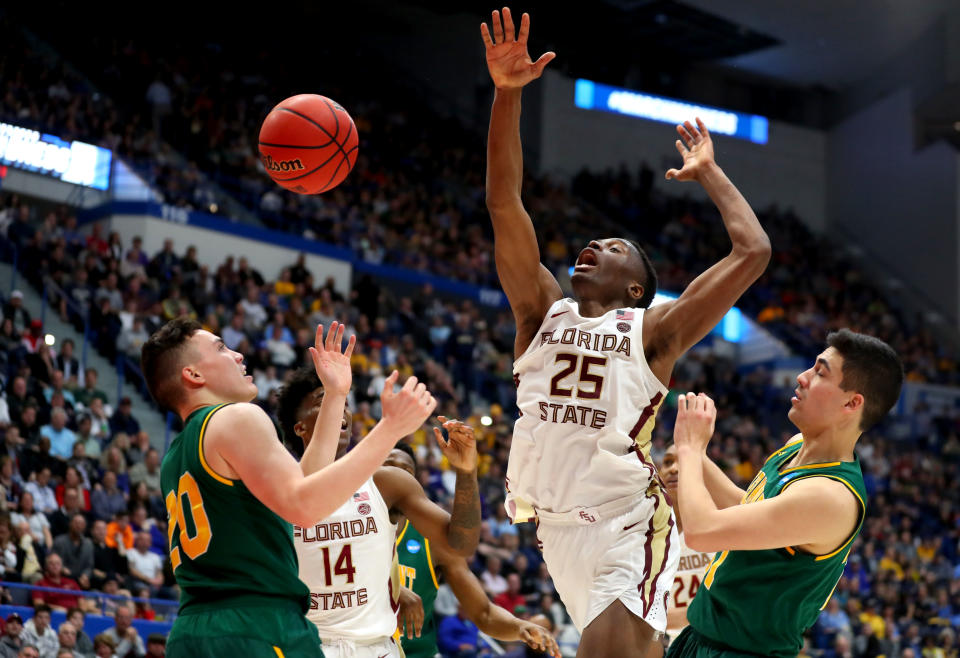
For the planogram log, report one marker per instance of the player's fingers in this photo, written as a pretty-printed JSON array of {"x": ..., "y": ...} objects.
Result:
[
  {"x": 542, "y": 62},
  {"x": 431, "y": 404},
  {"x": 338, "y": 341},
  {"x": 389, "y": 383},
  {"x": 524, "y": 29},
  {"x": 692, "y": 130},
  {"x": 442, "y": 419},
  {"x": 497, "y": 28},
  {"x": 439, "y": 436},
  {"x": 508, "y": 30},
  {"x": 672, "y": 173},
  {"x": 328, "y": 339},
  {"x": 350, "y": 345},
  {"x": 703, "y": 128},
  {"x": 685, "y": 136},
  {"x": 410, "y": 384},
  {"x": 419, "y": 389},
  {"x": 318, "y": 340},
  {"x": 485, "y": 35}
]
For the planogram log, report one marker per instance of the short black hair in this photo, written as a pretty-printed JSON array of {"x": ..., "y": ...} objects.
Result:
[
  {"x": 405, "y": 447},
  {"x": 650, "y": 284},
  {"x": 301, "y": 383},
  {"x": 161, "y": 360},
  {"x": 871, "y": 368}
]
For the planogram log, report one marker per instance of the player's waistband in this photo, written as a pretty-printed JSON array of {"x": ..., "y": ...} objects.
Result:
[
  {"x": 591, "y": 515},
  {"x": 215, "y": 603},
  {"x": 332, "y": 640}
]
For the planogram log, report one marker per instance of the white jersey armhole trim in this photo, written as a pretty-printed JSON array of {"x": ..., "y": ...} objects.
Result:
[{"x": 546, "y": 316}]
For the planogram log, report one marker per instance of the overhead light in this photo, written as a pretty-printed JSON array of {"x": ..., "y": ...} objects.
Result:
[
  {"x": 49, "y": 339},
  {"x": 486, "y": 421}
]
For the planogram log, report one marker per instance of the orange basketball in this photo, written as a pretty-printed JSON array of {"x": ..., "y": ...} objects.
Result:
[{"x": 308, "y": 144}]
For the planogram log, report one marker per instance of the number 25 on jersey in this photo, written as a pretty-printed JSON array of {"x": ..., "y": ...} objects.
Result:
[{"x": 185, "y": 511}]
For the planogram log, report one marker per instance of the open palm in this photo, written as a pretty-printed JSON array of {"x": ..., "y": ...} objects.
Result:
[
  {"x": 332, "y": 364},
  {"x": 696, "y": 150},
  {"x": 508, "y": 61}
]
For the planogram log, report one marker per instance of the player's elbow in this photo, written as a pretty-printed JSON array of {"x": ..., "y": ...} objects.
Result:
[
  {"x": 755, "y": 253},
  {"x": 702, "y": 540}
]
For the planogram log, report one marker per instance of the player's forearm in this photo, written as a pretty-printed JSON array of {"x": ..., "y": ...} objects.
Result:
[
  {"x": 318, "y": 495},
  {"x": 743, "y": 227},
  {"x": 504, "y": 150},
  {"x": 724, "y": 492},
  {"x": 322, "y": 449},
  {"x": 697, "y": 508},
  {"x": 500, "y": 624},
  {"x": 463, "y": 533}
]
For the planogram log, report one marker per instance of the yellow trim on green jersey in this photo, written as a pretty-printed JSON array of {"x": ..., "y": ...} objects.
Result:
[{"x": 203, "y": 461}]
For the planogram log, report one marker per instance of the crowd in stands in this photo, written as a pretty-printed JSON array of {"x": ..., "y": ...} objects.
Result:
[
  {"x": 81, "y": 481},
  {"x": 70, "y": 448}
]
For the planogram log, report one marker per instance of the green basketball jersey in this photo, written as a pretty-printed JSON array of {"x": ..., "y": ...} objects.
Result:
[
  {"x": 224, "y": 543},
  {"x": 761, "y": 602},
  {"x": 417, "y": 574}
]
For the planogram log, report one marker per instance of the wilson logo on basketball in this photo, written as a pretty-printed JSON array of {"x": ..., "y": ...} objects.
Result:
[{"x": 282, "y": 165}]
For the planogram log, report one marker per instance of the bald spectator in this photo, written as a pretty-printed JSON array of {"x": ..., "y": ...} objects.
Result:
[
  {"x": 37, "y": 632},
  {"x": 146, "y": 568},
  {"x": 67, "y": 635},
  {"x": 128, "y": 641},
  {"x": 76, "y": 551},
  {"x": 61, "y": 437},
  {"x": 53, "y": 577},
  {"x": 76, "y": 617}
]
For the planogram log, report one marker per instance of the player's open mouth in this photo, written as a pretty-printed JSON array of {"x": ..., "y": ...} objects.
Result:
[
  {"x": 796, "y": 396},
  {"x": 587, "y": 260}
]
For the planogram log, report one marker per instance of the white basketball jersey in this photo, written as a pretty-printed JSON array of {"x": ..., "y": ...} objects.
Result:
[
  {"x": 588, "y": 402},
  {"x": 693, "y": 564},
  {"x": 346, "y": 560}
]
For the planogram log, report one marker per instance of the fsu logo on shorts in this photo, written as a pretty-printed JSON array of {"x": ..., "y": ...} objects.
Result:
[
  {"x": 363, "y": 508},
  {"x": 623, "y": 327}
]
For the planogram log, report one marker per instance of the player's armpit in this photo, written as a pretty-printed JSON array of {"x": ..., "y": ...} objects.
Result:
[{"x": 817, "y": 514}]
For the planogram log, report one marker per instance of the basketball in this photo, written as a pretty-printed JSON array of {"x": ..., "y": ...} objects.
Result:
[{"x": 308, "y": 144}]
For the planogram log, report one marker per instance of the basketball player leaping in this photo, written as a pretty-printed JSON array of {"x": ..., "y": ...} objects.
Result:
[
  {"x": 231, "y": 492},
  {"x": 785, "y": 540},
  {"x": 592, "y": 373}
]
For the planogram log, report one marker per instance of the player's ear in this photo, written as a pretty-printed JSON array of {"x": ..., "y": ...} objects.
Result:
[
  {"x": 298, "y": 428},
  {"x": 192, "y": 376},
  {"x": 635, "y": 290},
  {"x": 855, "y": 402}
]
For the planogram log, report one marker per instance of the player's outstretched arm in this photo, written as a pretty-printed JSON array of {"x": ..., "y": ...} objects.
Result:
[
  {"x": 242, "y": 440},
  {"x": 489, "y": 618},
  {"x": 458, "y": 533},
  {"x": 816, "y": 513},
  {"x": 681, "y": 324},
  {"x": 333, "y": 369},
  {"x": 724, "y": 491},
  {"x": 529, "y": 286}
]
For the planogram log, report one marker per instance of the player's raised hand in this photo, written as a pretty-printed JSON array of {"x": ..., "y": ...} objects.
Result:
[
  {"x": 404, "y": 411},
  {"x": 696, "y": 148},
  {"x": 539, "y": 638},
  {"x": 461, "y": 447},
  {"x": 332, "y": 364},
  {"x": 410, "y": 613},
  {"x": 508, "y": 61},
  {"x": 696, "y": 415}
]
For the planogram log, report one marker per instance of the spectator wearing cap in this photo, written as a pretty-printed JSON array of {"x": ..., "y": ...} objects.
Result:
[
  {"x": 37, "y": 631},
  {"x": 122, "y": 420},
  {"x": 11, "y": 642},
  {"x": 156, "y": 645},
  {"x": 61, "y": 437},
  {"x": 84, "y": 646},
  {"x": 14, "y": 310}
]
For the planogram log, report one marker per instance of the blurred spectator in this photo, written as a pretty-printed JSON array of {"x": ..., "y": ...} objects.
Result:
[
  {"x": 84, "y": 646},
  {"x": 15, "y": 311},
  {"x": 107, "y": 500},
  {"x": 37, "y": 631},
  {"x": 69, "y": 365},
  {"x": 457, "y": 636},
  {"x": 53, "y": 577},
  {"x": 104, "y": 646},
  {"x": 90, "y": 391},
  {"x": 128, "y": 641},
  {"x": 147, "y": 471},
  {"x": 146, "y": 568},
  {"x": 44, "y": 498},
  {"x": 67, "y": 635},
  {"x": 119, "y": 532},
  {"x": 60, "y": 436},
  {"x": 37, "y": 525},
  {"x": 156, "y": 645},
  {"x": 72, "y": 505},
  {"x": 123, "y": 420},
  {"x": 76, "y": 551},
  {"x": 109, "y": 562},
  {"x": 11, "y": 641},
  {"x": 493, "y": 583}
]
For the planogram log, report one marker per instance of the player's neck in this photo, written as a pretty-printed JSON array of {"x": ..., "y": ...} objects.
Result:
[
  {"x": 591, "y": 308},
  {"x": 831, "y": 445},
  {"x": 199, "y": 400}
]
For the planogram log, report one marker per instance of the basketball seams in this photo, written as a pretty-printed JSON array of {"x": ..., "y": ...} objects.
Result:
[{"x": 340, "y": 147}]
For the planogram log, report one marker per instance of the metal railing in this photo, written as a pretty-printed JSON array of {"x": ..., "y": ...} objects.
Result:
[{"x": 101, "y": 597}]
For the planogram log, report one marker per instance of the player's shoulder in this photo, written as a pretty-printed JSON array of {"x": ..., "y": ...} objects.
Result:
[
  {"x": 827, "y": 493},
  {"x": 235, "y": 420},
  {"x": 394, "y": 483}
]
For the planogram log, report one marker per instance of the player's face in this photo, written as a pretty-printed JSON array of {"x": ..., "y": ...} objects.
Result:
[
  {"x": 819, "y": 402},
  {"x": 400, "y": 459},
  {"x": 221, "y": 369},
  {"x": 670, "y": 471},
  {"x": 310, "y": 411},
  {"x": 606, "y": 265}
]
